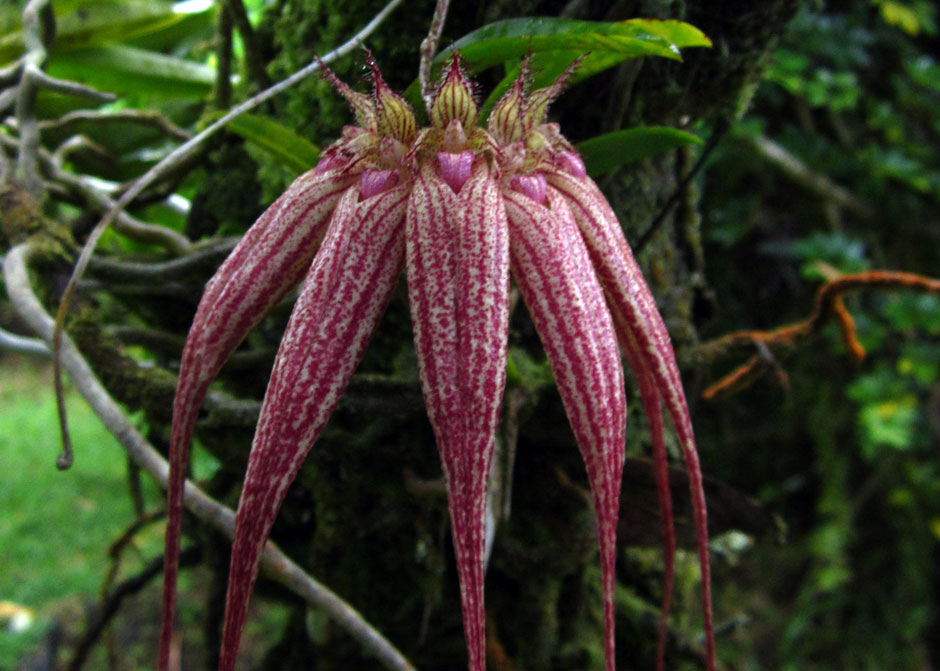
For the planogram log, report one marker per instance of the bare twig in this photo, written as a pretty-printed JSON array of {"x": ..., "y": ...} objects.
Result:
[
  {"x": 98, "y": 200},
  {"x": 111, "y": 602},
  {"x": 204, "y": 259},
  {"x": 142, "y": 117},
  {"x": 36, "y": 36},
  {"x": 66, "y": 87},
  {"x": 23, "y": 345},
  {"x": 276, "y": 565},
  {"x": 428, "y": 49},
  {"x": 167, "y": 289},
  {"x": 180, "y": 155},
  {"x": 814, "y": 182},
  {"x": 80, "y": 143},
  {"x": 828, "y": 304},
  {"x": 721, "y": 127}
]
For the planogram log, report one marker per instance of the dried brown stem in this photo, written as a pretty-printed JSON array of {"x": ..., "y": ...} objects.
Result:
[
  {"x": 828, "y": 304},
  {"x": 111, "y": 603}
]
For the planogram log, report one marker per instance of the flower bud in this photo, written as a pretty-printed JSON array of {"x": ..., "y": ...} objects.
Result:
[
  {"x": 454, "y": 99},
  {"x": 394, "y": 117},
  {"x": 506, "y": 122}
]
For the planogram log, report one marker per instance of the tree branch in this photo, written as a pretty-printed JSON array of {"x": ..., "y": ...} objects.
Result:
[
  {"x": 828, "y": 304},
  {"x": 428, "y": 49},
  {"x": 800, "y": 173},
  {"x": 142, "y": 117},
  {"x": 97, "y": 199},
  {"x": 17, "y": 343},
  {"x": 276, "y": 565}
]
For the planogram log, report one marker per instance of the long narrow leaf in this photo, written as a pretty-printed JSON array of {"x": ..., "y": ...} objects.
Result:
[
  {"x": 553, "y": 43},
  {"x": 128, "y": 70}
]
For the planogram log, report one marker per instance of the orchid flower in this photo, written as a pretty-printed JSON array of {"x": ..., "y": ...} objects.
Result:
[{"x": 457, "y": 207}]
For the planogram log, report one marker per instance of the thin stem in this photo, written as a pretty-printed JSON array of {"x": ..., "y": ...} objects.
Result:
[
  {"x": 111, "y": 603},
  {"x": 205, "y": 259},
  {"x": 223, "y": 72},
  {"x": 719, "y": 132},
  {"x": 66, "y": 87},
  {"x": 142, "y": 117},
  {"x": 23, "y": 345},
  {"x": 276, "y": 565},
  {"x": 428, "y": 49},
  {"x": 88, "y": 191}
]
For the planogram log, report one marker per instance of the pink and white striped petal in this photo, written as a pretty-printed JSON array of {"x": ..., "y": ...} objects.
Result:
[
  {"x": 344, "y": 295},
  {"x": 458, "y": 285},
  {"x": 638, "y": 317},
  {"x": 553, "y": 272},
  {"x": 268, "y": 262},
  {"x": 649, "y": 396}
]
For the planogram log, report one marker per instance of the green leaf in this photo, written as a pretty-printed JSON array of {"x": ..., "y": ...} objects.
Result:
[
  {"x": 606, "y": 152},
  {"x": 554, "y": 43},
  {"x": 131, "y": 71},
  {"x": 85, "y": 23},
  {"x": 290, "y": 148},
  {"x": 513, "y": 38}
]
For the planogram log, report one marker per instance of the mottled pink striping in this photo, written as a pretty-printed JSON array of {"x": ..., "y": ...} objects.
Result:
[
  {"x": 344, "y": 295},
  {"x": 458, "y": 283},
  {"x": 552, "y": 269},
  {"x": 652, "y": 406},
  {"x": 631, "y": 300},
  {"x": 268, "y": 261}
]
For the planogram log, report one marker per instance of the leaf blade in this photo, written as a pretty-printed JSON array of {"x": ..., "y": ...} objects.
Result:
[
  {"x": 284, "y": 144},
  {"x": 603, "y": 153}
]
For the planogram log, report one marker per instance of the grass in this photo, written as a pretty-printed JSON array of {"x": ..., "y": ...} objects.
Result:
[{"x": 56, "y": 527}]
